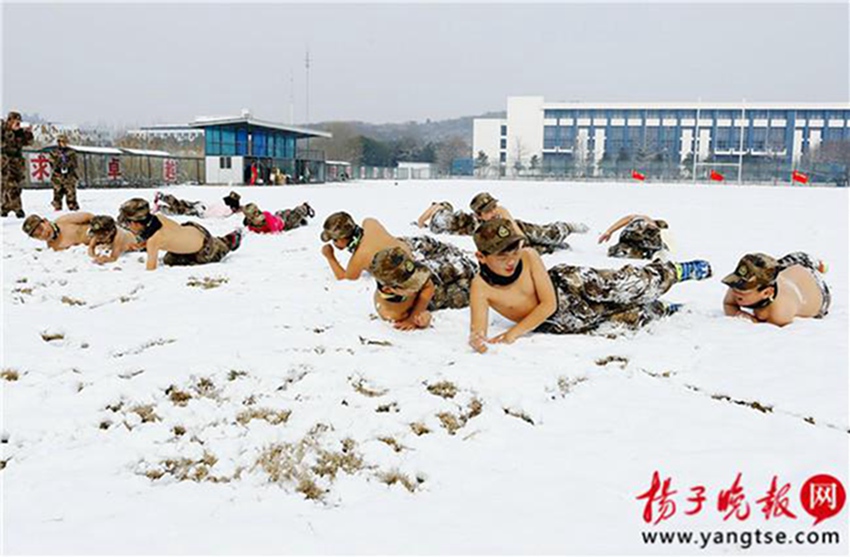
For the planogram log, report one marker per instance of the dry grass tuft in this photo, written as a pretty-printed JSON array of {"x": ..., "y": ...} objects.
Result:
[
  {"x": 178, "y": 397},
  {"x": 395, "y": 477},
  {"x": 49, "y": 337},
  {"x": 613, "y": 359},
  {"x": 419, "y": 428},
  {"x": 146, "y": 413},
  {"x": 391, "y": 407},
  {"x": 360, "y": 385},
  {"x": 178, "y": 430},
  {"x": 565, "y": 384},
  {"x": 445, "y": 389},
  {"x": 519, "y": 414},
  {"x": 207, "y": 282},
  {"x": 392, "y": 443},
  {"x": 235, "y": 374},
  {"x": 72, "y": 301},
  {"x": 450, "y": 422},
  {"x": 274, "y": 417},
  {"x": 9, "y": 375}
]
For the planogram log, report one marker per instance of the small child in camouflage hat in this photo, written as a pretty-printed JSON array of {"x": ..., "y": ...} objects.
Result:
[
  {"x": 108, "y": 241},
  {"x": 441, "y": 218},
  {"x": 545, "y": 238},
  {"x": 642, "y": 238},
  {"x": 66, "y": 231},
  {"x": 265, "y": 222},
  {"x": 362, "y": 242},
  {"x": 777, "y": 291},
  {"x": 564, "y": 299},
  {"x": 186, "y": 244}
]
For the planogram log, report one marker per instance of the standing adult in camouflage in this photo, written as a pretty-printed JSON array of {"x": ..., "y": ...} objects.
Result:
[
  {"x": 64, "y": 177},
  {"x": 545, "y": 238},
  {"x": 186, "y": 244},
  {"x": 641, "y": 238},
  {"x": 564, "y": 299},
  {"x": 14, "y": 139},
  {"x": 441, "y": 218}
]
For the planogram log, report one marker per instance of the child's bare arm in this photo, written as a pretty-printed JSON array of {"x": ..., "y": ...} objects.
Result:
[
  {"x": 479, "y": 307},
  {"x": 545, "y": 294}
]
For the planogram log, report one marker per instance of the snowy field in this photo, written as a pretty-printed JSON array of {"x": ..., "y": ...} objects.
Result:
[{"x": 258, "y": 406}]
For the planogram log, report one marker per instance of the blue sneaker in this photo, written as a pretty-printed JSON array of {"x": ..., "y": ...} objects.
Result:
[
  {"x": 670, "y": 308},
  {"x": 698, "y": 269}
]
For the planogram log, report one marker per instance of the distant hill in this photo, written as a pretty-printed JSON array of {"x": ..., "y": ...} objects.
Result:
[{"x": 428, "y": 131}]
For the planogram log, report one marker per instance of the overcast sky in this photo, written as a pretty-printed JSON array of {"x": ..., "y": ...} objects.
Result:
[{"x": 159, "y": 63}]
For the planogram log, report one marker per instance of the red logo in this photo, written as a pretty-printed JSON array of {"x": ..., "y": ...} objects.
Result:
[
  {"x": 40, "y": 168},
  {"x": 823, "y": 497},
  {"x": 113, "y": 168}
]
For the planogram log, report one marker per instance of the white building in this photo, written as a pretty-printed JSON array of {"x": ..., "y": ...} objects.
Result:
[{"x": 553, "y": 136}]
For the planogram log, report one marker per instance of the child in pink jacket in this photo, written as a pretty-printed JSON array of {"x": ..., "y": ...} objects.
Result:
[{"x": 264, "y": 222}]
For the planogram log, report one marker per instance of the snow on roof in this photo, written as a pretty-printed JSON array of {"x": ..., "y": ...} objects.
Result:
[
  {"x": 95, "y": 150},
  {"x": 346, "y": 163},
  {"x": 206, "y": 121},
  {"x": 145, "y": 152}
]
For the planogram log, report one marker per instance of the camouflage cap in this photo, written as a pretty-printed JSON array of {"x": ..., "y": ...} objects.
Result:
[
  {"x": 445, "y": 205},
  {"x": 495, "y": 236},
  {"x": 134, "y": 210},
  {"x": 13, "y": 115},
  {"x": 232, "y": 200},
  {"x": 754, "y": 270},
  {"x": 394, "y": 268},
  {"x": 31, "y": 224},
  {"x": 338, "y": 226},
  {"x": 62, "y": 139},
  {"x": 482, "y": 203},
  {"x": 102, "y": 224},
  {"x": 253, "y": 214}
]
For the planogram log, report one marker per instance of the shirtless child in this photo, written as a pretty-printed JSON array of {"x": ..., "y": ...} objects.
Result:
[
  {"x": 642, "y": 237},
  {"x": 565, "y": 299},
  {"x": 363, "y": 242},
  {"x": 437, "y": 276},
  {"x": 186, "y": 244},
  {"x": 777, "y": 291},
  {"x": 545, "y": 238},
  {"x": 109, "y": 241},
  {"x": 441, "y": 218},
  {"x": 66, "y": 231}
]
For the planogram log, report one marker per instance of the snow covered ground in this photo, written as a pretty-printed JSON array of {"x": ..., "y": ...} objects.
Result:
[{"x": 257, "y": 405}]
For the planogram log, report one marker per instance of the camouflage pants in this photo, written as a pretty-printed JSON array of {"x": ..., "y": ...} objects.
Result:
[
  {"x": 13, "y": 177},
  {"x": 589, "y": 297},
  {"x": 805, "y": 260},
  {"x": 547, "y": 238},
  {"x": 639, "y": 239},
  {"x": 446, "y": 221},
  {"x": 451, "y": 271},
  {"x": 294, "y": 218},
  {"x": 64, "y": 186},
  {"x": 213, "y": 250},
  {"x": 170, "y": 205}
]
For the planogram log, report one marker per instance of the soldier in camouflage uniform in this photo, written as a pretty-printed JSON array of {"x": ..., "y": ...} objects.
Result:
[
  {"x": 410, "y": 289},
  {"x": 545, "y": 238},
  {"x": 14, "y": 140},
  {"x": 64, "y": 177},
  {"x": 564, "y": 299},
  {"x": 441, "y": 218},
  {"x": 641, "y": 237}
]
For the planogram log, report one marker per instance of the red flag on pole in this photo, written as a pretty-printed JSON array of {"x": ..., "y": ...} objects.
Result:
[
  {"x": 716, "y": 176},
  {"x": 638, "y": 176},
  {"x": 799, "y": 177}
]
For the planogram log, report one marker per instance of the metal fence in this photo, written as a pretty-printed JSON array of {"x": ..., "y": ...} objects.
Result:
[{"x": 117, "y": 168}]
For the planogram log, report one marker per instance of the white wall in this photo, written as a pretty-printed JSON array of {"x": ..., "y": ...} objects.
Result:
[
  {"x": 216, "y": 175},
  {"x": 485, "y": 137},
  {"x": 525, "y": 130}
]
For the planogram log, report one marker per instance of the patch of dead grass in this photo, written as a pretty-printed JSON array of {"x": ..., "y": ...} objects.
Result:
[
  {"x": 9, "y": 375},
  {"x": 274, "y": 417},
  {"x": 393, "y": 477},
  {"x": 419, "y": 428},
  {"x": 445, "y": 389},
  {"x": 207, "y": 282},
  {"x": 361, "y": 386},
  {"x": 72, "y": 301}
]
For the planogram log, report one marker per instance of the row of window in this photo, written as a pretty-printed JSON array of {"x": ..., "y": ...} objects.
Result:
[
  {"x": 236, "y": 141},
  {"x": 667, "y": 138},
  {"x": 691, "y": 114}
]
